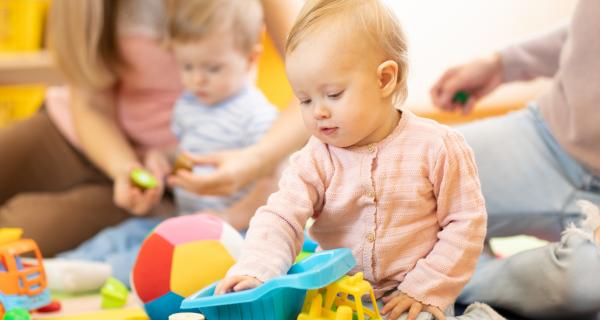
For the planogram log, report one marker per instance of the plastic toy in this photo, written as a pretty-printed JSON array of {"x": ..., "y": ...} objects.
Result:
[
  {"x": 461, "y": 97},
  {"x": 308, "y": 247},
  {"x": 279, "y": 298},
  {"x": 22, "y": 281},
  {"x": 114, "y": 294},
  {"x": 17, "y": 314},
  {"x": 186, "y": 316},
  {"x": 54, "y": 306},
  {"x": 143, "y": 178},
  {"x": 342, "y": 299},
  {"x": 181, "y": 256}
]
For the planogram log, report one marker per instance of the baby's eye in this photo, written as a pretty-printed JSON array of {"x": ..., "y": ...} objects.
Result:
[
  {"x": 305, "y": 101},
  {"x": 336, "y": 95},
  {"x": 214, "y": 69},
  {"x": 187, "y": 67}
]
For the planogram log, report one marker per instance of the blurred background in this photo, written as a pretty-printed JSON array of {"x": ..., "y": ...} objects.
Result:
[{"x": 441, "y": 34}]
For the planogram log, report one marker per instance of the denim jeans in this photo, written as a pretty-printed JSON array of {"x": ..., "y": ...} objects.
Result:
[
  {"x": 531, "y": 186},
  {"x": 117, "y": 246}
]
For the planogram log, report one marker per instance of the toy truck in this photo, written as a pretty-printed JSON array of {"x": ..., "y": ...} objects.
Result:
[{"x": 22, "y": 276}]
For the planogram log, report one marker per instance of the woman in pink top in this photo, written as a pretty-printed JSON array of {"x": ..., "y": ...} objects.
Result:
[
  {"x": 65, "y": 172},
  {"x": 400, "y": 191}
]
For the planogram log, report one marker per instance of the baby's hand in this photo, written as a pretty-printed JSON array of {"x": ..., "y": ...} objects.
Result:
[
  {"x": 236, "y": 283},
  {"x": 399, "y": 302}
]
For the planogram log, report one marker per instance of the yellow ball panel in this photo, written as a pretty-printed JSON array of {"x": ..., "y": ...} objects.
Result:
[{"x": 198, "y": 264}]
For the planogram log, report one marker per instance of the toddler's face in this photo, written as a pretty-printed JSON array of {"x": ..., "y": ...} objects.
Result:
[
  {"x": 213, "y": 69},
  {"x": 337, "y": 84}
]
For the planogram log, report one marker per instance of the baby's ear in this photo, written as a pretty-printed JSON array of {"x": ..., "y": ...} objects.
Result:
[
  {"x": 387, "y": 73},
  {"x": 254, "y": 54}
]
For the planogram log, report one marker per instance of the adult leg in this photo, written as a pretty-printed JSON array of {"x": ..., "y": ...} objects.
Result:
[
  {"x": 50, "y": 189},
  {"x": 36, "y": 157},
  {"x": 557, "y": 281},
  {"x": 531, "y": 187},
  {"x": 529, "y": 184},
  {"x": 60, "y": 221}
]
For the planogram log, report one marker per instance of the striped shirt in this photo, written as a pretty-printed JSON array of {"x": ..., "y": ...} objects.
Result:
[
  {"x": 409, "y": 207},
  {"x": 238, "y": 122}
]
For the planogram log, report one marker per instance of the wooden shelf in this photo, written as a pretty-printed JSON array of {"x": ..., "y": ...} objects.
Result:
[{"x": 28, "y": 68}]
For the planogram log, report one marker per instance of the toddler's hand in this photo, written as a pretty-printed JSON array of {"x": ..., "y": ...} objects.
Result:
[
  {"x": 399, "y": 302},
  {"x": 236, "y": 283}
]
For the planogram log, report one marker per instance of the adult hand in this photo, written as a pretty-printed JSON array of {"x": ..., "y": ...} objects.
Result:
[
  {"x": 398, "y": 302},
  {"x": 477, "y": 78},
  {"x": 234, "y": 169},
  {"x": 134, "y": 199},
  {"x": 236, "y": 283}
]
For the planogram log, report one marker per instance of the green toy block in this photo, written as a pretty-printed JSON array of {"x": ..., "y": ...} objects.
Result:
[
  {"x": 303, "y": 255},
  {"x": 114, "y": 294},
  {"x": 17, "y": 314},
  {"x": 461, "y": 97},
  {"x": 143, "y": 178}
]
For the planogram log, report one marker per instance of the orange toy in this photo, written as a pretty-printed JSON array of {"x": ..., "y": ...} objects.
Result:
[{"x": 22, "y": 276}]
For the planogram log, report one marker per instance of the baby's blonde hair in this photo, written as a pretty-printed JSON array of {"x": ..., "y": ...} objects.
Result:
[
  {"x": 191, "y": 20},
  {"x": 363, "y": 18}
]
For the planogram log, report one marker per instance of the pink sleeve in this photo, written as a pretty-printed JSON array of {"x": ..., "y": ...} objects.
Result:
[
  {"x": 438, "y": 278},
  {"x": 538, "y": 57},
  {"x": 276, "y": 232}
]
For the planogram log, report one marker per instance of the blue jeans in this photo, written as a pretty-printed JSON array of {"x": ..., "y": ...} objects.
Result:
[
  {"x": 530, "y": 187},
  {"x": 117, "y": 246}
]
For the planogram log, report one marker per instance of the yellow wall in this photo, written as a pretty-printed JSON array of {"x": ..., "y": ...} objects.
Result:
[{"x": 271, "y": 76}]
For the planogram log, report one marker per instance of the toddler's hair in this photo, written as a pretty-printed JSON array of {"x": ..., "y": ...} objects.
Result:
[
  {"x": 191, "y": 20},
  {"x": 367, "y": 20}
]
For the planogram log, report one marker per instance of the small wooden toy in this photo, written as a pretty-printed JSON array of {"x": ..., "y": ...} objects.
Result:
[{"x": 183, "y": 162}]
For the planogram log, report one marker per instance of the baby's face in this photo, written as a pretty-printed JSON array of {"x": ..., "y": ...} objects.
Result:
[
  {"x": 213, "y": 69},
  {"x": 337, "y": 84}
]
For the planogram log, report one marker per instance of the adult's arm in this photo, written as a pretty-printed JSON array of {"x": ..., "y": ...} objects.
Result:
[
  {"x": 105, "y": 144},
  {"x": 537, "y": 57}
]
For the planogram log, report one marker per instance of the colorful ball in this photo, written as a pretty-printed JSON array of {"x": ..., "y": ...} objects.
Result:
[{"x": 181, "y": 256}]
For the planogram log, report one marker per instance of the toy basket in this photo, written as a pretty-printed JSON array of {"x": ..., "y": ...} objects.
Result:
[
  {"x": 22, "y": 24},
  {"x": 18, "y": 102},
  {"x": 276, "y": 299}
]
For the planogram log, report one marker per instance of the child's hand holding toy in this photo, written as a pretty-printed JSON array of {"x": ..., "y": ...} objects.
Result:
[
  {"x": 236, "y": 283},
  {"x": 397, "y": 303}
]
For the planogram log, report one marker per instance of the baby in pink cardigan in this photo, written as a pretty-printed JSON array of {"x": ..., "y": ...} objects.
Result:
[{"x": 401, "y": 192}]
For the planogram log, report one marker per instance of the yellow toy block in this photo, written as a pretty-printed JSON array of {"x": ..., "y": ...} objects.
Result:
[
  {"x": 10, "y": 234},
  {"x": 343, "y": 298}
]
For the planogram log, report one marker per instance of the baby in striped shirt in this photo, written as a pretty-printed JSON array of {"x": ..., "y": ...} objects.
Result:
[
  {"x": 401, "y": 192},
  {"x": 216, "y": 46}
]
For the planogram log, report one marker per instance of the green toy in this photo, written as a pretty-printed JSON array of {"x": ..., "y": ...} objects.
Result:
[
  {"x": 461, "y": 97},
  {"x": 143, "y": 178},
  {"x": 114, "y": 294},
  {"x": 17, "y": 314}
]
